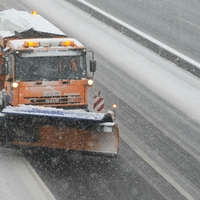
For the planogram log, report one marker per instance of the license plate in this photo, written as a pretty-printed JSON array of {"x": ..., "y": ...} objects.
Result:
[{"x": 51, "y": 93}]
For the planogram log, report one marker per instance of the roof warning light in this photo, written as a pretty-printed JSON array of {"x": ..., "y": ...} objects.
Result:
[
  {"x": 34, "y": 12},
  {"x": 31, "y": 44},
  {"x": 67, "y": 43}
]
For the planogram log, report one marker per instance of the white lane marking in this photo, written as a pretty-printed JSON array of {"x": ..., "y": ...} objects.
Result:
[
  {"x": 189, "y": 22},
  {"x": 156, "y": 167},
  {"x": 40, "y": 188},
  {"x": 143, "y": 34},
  {"x": 18, "y": 178}
]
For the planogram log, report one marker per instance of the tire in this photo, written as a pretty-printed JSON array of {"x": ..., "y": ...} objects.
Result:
[
  {"x": 1, "y": 101},
  {"x": 5, "y": 101}
]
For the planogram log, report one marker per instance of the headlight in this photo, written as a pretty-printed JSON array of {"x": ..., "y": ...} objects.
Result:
[
  {"x": 15, "y": 84},
  {"x": 114, "y": 106},
  {"x": 90, "y": 82}
]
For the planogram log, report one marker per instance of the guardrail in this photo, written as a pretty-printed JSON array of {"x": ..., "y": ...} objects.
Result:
[{"x": 159, "y": 48}]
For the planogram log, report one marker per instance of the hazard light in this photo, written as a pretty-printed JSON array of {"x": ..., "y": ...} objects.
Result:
[
  {"x": 67, "y": 43},
  {"x": 114, "y": 106},
  {"x": 31, "y": 44},
  {"x": 34, "y": 12}
]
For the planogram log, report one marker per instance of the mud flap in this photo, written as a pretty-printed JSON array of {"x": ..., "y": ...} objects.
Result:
[{"x": 1, "y": 99}]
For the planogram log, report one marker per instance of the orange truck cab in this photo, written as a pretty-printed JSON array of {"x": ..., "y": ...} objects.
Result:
[
  {"x": 48, "y": 72},
  {"x": 43, "y": 68}
]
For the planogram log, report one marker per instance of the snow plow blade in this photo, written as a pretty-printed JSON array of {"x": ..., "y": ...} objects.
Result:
[{"x": 78, "y": 130}]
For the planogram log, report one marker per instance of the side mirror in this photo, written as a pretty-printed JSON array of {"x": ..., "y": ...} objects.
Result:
[
  {"x": 93, "y": 67},
  {"x": 5, "y": 65}
]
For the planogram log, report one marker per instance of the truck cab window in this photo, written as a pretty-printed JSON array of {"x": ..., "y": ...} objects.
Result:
[{"x": 50, "y": 68}]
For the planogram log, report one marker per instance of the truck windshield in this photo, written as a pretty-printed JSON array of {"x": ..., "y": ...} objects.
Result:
[{"x": 50, "y": 68}]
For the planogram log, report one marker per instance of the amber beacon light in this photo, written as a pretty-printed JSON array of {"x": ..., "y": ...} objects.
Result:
[{"x": 34, "y": 12}]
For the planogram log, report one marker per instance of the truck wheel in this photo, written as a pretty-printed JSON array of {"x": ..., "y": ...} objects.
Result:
[
  {"x": 5, "y": 101},
  {"x": 1, "y": 101}
]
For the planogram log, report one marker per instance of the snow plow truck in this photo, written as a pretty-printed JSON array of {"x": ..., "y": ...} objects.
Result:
[{"x": 44, "y": 83}]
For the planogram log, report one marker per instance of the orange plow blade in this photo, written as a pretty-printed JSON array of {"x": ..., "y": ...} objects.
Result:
[
  {"x": 95, "y": 136},
  {"x": 78, "y": 140}
]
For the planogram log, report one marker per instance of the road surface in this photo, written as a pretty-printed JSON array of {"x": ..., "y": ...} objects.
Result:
[{"x": 159, "y": 153}]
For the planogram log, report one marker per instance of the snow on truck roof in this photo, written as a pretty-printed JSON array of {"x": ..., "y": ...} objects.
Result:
[{"x": 12, "y": 21}]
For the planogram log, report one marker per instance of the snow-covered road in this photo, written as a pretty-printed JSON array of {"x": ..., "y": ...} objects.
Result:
[
  {"x": 171, "y": 83},
  {"x": 163, "y": 139},
  {"x": 18, "y": 180}
]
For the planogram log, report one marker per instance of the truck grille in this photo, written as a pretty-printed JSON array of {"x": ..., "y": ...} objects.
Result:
[{"x": 75, "y": 99}]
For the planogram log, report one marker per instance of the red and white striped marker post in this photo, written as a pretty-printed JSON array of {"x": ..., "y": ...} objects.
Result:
[{"x": 98, "y": 102}]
